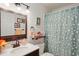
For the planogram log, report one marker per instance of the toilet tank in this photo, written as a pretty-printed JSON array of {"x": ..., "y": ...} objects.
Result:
[{"x": 41, "y": 48}]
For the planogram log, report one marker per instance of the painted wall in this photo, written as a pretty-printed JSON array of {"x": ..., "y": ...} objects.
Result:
[{"x": 36, "y": 11}]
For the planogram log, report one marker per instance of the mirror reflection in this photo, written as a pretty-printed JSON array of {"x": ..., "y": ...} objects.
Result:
[{"x": 12, "y": 23}]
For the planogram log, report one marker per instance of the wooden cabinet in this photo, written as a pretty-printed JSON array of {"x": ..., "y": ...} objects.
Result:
[{"x": 34, "y": 53}]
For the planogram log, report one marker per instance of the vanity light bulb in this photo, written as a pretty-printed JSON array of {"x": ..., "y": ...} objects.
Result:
[
  {"x": 27, "y": 11},
  {"x": 7, "y": 4},
  {"x": 18, "y": 8}
]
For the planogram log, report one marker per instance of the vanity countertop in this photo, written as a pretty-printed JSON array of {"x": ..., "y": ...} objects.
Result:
[{"x": 20, "y": 51}]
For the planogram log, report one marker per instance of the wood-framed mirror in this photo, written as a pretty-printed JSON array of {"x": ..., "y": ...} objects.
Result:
[{"x": 12, "y": 25}]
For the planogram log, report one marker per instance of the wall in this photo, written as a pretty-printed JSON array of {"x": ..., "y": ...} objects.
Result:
[{"x": 36, "y": 11}]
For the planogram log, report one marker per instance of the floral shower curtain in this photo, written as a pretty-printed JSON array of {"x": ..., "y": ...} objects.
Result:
[{"x": 62, "y": 32}]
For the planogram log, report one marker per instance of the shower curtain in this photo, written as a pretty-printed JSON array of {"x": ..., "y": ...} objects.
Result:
[{"x": 62, "y": 32}]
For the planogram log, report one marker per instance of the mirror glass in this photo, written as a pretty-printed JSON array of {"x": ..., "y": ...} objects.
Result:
[{"x": 12, "y": 23}]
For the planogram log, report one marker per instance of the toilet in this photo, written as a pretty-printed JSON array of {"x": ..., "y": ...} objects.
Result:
[
  {"x": 40, "y": 43},
  {"x": 41, "y": 50}
]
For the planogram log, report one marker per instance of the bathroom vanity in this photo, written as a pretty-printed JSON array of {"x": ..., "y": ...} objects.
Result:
[{"x": 25, "y": 50}]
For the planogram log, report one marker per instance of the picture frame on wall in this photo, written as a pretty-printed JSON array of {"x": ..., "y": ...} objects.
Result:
[{"x": 38, "y": 21}]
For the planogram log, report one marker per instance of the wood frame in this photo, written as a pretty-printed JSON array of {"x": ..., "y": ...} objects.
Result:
[
  {"x": 38, "y": 21},
  {"x": 13, "y": 37}
]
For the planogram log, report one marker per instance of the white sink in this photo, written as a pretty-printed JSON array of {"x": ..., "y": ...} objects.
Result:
[
  {"x": 23, "y": 50},
  {"x": 19, "y": 51}
]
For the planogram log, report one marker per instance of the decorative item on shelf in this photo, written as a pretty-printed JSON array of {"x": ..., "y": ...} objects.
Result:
[
  {"x": 38, "y": 35},
  {"x": 2, "y": 45},
  {"x": 38, "y": 21}
]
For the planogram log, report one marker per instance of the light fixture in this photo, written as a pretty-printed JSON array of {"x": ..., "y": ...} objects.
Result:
[
  {"x": 26, "y": 5},
  {"x": 27, "y": 11},
  {"x": 19, "y": 6},
  {"x": 7, "y": 4}
]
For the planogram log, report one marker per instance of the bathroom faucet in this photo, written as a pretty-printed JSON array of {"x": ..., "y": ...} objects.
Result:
[{"x": 16, "y": 44}]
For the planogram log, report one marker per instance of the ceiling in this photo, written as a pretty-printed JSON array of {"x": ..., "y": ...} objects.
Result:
[{"x": 53, "y": 6}]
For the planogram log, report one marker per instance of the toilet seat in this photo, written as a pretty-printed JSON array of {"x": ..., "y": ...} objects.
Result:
[{"x": 47, "y": 54}]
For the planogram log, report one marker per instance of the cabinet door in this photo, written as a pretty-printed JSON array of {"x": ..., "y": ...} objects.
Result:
[{"x": 34, "y": 53}]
